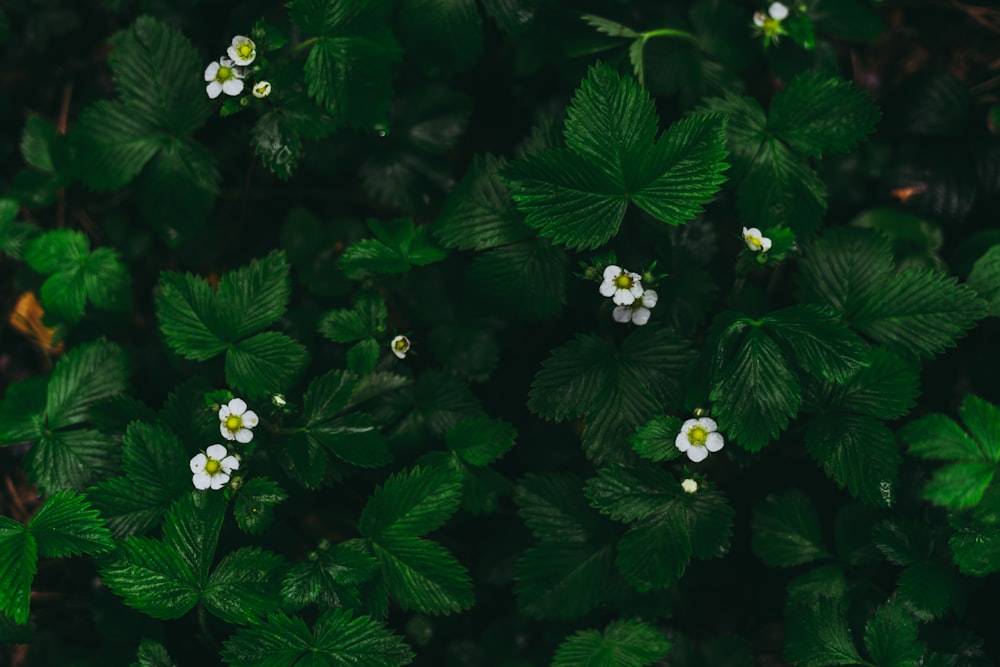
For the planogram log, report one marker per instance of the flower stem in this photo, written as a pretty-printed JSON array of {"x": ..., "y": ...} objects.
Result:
[
  {"x": 306, "y": 44},
  {"x": 669, "y": 32}
]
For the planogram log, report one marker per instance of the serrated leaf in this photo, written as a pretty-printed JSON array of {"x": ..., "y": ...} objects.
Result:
[
  {"x": 116, "y": 144},
  {"x": 185, "y": 307},
  {"x": 242, "y": 587},
  {"x": 822, "y": 343},
  {"x": 329, "y": 578},
  {"x": 152, "y": 654},
  {"x": 902, "y": 542},
  {"x": 253, "y": 297},
  {"x": 929, "y": 589},
  {"x": 976, "y": 549},
  {"x": 887, "y": 388},
  {"x": 859, "y": 453},
  {"x": 818, "y": 636},
  {"x": 524, "y": 280},
  {"x": 156, "y": 460},
  {"x": 72, "y": 459},
  {"x": 422, "y": 575},
  {"x": 363, "y": 356},
  {"x": 366, "y": 318},
  {"x": 826, "y": 582},
  {"x": 152, "y": 578},
  {"x": 632, "y": 494},
  {"x": 84, "y": 376},
  {"x": 609, "y": 27},
  {"x": 481, "y": 441},
  {"x": 254, "y": 506},
  {"x": 18, "y": 563},
  {"x": 624, "y": 643},
  {"x": 843, "y": 267},
  {"x": 14, "y": 236},
  {"x": 560, "y": 580},
  {"x": 53, "y": 250},
  {"x": 985, "y": 279},
  {"x": 191, "y": 530},
  {"x": 67, "y": 525},
  {"x": 22, "y": 411},
  {"x": 339, "y": 639},
  {"x": 412, "y": 502},
  {"x": 745, "y": 131},
  {"x": 817, "y": 115},
  {"x": 655, "y": 440},
  {"x": 654, "y": 553},
  {"x": 781, "y": 189},
  {"x": 756, "y": 393},
  {"x": 786, "y": 530},
  {"x": 554, "y": 508},
  {"x": 126, "y": 507},
  {"x": 891, "y": 637},
  {"x": 350, "y": 76},
  {"x": 265, "y": 364}
]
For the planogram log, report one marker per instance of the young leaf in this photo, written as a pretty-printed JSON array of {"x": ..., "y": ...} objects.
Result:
[
  {"x": 18, "y": 563},
  {"x": 891, "y": 637},
  {"x": 624, "y": 643},
  {"x": 818, "y": 636},
  {"x": 338, "y": 639},
  {"x": 786, "y": 530},
  {"x": 242, "y": 588},
  {"x": 481, "y": 441},
  {"x": 254, "y": 506},
  {"x": 422, "y": 575},
  {"x": 66, "y": 525},
  {"x": 152, "y": 577},
  {"x": 413, "y": 502}
]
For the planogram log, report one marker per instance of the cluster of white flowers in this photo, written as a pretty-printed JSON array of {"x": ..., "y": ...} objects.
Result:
[
  {"x": 226, "y": 74},
  {"x": 213, "y": 468},
  {"x": 756, "y": 241},
  {"x": 632, "y": 302}
]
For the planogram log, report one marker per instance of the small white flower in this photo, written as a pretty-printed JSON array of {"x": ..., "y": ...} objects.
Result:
[
  {"x": 698, "y": 437},
  {"x": 752, "y": 237},
  {"x": 624, "y": 287},
  {"x": 638, "y": 312},
  {"x": 236, "y": 421},
  {"x": 223, "y": 77},
  {"x": 278, "y": 401},
  {"x": 261, "y": 89},
  {"x": 778, "y": 11},
  {"x": 758, "y": 19},
  {"x": 689, "y": 485},
  {"x": 243, "y": 51},
  {"x": 400, "y": 345},
  {"x": 213, "y": 468}
]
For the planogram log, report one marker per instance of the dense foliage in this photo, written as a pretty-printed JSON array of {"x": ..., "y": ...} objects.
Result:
[{"x": 509, "y": 333}]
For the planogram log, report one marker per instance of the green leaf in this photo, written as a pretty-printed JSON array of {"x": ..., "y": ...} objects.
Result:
[
  {"x": 480, "y": 441},
  {"x": 823, "y": 583},
  {"x": 363, "y": 356},
  {"x": 886, "y": 388},
  {"x": 745, "y": 131},
  {"x": 192, "y": 527},
  {"x": 15, "y": 236},
  {"x": 67, "y": 525},
  {"x": 265, "y": 364},
  {"x": 445, "y": 34},
  {"x": 817, "y": 115},
  {"x": 654, "y": 553},
  {"x": 254, "y": 506},
  {"x": 858, "y": 452},
  {"x": 480, "y": 213},
  {"x": 36, "y": 141},
  {"x": 253, "y": 297},
  {"x": 929, "y": 589},
  {"x": 756, "y": 393},
  {"x": 422, "y": 575},
  {"x": 624, "y": 644},
  {"x": 243, "y": 586},
  {"x": 126, "y": 507},
  {"x": 52, "y": 251},
  {"x": 985, "y": 279},
  {"x": 655, "y": 439},
  {"x": 632, "y": 494},
  {"x": 843, "y": 267},
  {"x": 152, "y": 654},
  {"x": 84, "y": 376},
  {"x": 185, "y": 307},
  {"x": 891, "y": 637},
  {"x": 330, "y": 577},
  {"x": 562, "y": 580},
  {"x": 610, "y": 28},
  {"x": 524, "y": 280},
  {"x": 18, "y": 564},
  {"x": 22, "y": 411},
  {"x": 115, "y": 142},
  {"x": 338, "y": 640},
  {"x": 818, "y": 636},
  {"x": 822, "y": 343},
  {"x": 786, "y": 530},
  {"x": 151, "y": 577},
  {"x": 367, "y": 318},
  {"x": 902, "y": 542},
  {"x": 412, "y": 502},
  {"x": 781, "y": 189},
  {"x": 70, "y": 459},
  {"x": 554, "y": 508},
  {"x": 156, "y": 460},
  {"x": 975, "y": 548}
]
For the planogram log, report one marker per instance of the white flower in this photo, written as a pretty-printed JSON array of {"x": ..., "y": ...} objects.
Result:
[
  {"x": 778, "y": 11},
  {"x": 223, "y": 77},
  {"x": 261, "y": 89},
  {"x": 755, "y": 241},
  {"x": 689, "y": 485},
  {"x": 236, "y": 421},
  {"x": 400, "y": 345},
  {"x": 638, "y": 312},
  {"x": 698, "y": 437},
  {"x": 624, "y": 287},
  {"x": 243, "y": 50},
  {"x": 758, "y": 19},
  {"x": 213, "y": 468}
]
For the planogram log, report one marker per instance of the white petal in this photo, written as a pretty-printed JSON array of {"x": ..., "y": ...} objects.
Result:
[
  {"x": 233, "y": 87},
  {"x": 715, "y": 442},
  {"x": 226, "y": 433},
  {"x": 777, "y": 11},
  {"x": 623, "y": 297},
  {"x": 250, "y": 419},
  {"x": 681, "y": 442},
  {"x": 765, "y": 243},
  {"x": 758, "y": 19},
  {"x": 622, "y": 314},
  {"x": 201, "y": 480},
  {"x": 612, "y": 272},
  {"x": 211, "y": 71},
  {"x": 231, "y": 52},
  {"x": 223, "y": 413},
  {"x": 607, "y": 288},
  {"x": 237, "y": 406},
  {"x": 399, "y": 353},
  {"x": 226, "y": 62},
  {"x": 213, "y": 89},
  {"x": 709, "y": 424},
  {"x": 198, "y": 463},
  {"x": 231, "y": 463},
  {"x": 636, "y": 289},
  {"x": 244, "y": 435},
  {"x": 640, "y": 316},
  {"x": 649, "y": 298},
  {"x": 686, "y": 426},
  {"x": 219, "y": 480},
  {"x": 697, "y": 454},
  {"x": 217, "y": 452}
]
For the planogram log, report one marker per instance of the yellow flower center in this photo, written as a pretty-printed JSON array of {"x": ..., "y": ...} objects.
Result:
[
  {"x": 224, "y": 74},
  {"x": 212, "y": 466},
  {"x": 623, "y": 282},
  {"x": 697, "y": 435},
  {"x": 245, "y": 50},
  {"x": 401, "y": 345},
  {"x": 233, "y": 423},
  {"x": 755, "y": 241}
]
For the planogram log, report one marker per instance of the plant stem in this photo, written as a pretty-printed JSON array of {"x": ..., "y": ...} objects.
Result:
[{"x": 669, "y": 32}]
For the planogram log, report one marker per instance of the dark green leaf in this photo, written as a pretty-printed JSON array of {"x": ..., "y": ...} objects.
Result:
[
  {"x": 422, "y": 575},
  {"x": 554, "y": 508},
  {"x": 191, "y": 530},
  {"x": 781, "y": 189},
  {"x": 73, "y": 459},
  {"x": 826, "y": 582},
  {"x": 254, "y": 506},
  {"x": 367, "y": 318},
  {"x": 623, "y": 644},
  {"x": 843, "y": 268},
  {"x": 654, "y": 553},
  {"x": 115, "y": 142},
  {"x": 185, "y": 307},
  {"x": 330, "y": 577},
  {"x": 36, "y": 140},
  {"x": 362, "y": 356},
  {"x": 655, "y": 439},
  {"x": 253, "y": 297},
  {"x": 559, "y": 580},
  {"x": 886, "y": 388},
  {"x": 151, "y": 577},
  {"x": 446, "y": 34},
  {"x": 412, "y": 502},
  {"x": 181, "y": 165},
  {"x": 902, "y": 542},
  {"x": 859, "y": 453},
  {"x": 818, "y": 636},
  {"x": 126, "y": 506},
  {"x": 18, "y": 562},
  {"x": 786, "y": 530},
  {"x": 156, "y": 460},
  {"x": 350, "y": 76},
  {"x": 524, "y": 280},
  {"x": 14, "y": 236},
  {"x": 891, "y": 637},
  {"x": 481, "y": 441},
  {"x": 985, "y": 279},
  {"x": 632, "y": 494},
  {"x": 67, "y": 525},
  {"x": 22, "y": 411},
  {"x": 822, "y": 343},
  {"x": 242, "y": 588},
  {"x": 976, "y": 550},
  {"x": 929, "y": 589},
  {"x": 265, "y": 364},
  {"x": 152, "y": 654}
]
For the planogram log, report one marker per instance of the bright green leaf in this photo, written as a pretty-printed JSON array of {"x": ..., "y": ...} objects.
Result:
[
  {"x": 72, "y": 459},
  {"x": 152, "y": 578},
  {"x": 412, "y": 502},
  {"x": 18, "y": 561},
  {"x": 242, "y": 587},
  {"x": 67, "y": 525},
  {"x": 330, "y": 577}
]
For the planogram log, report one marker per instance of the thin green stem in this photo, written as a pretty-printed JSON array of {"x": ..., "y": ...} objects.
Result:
[
  {"x": 669, "y": 32},
  {"x": 306, "y": 44}
]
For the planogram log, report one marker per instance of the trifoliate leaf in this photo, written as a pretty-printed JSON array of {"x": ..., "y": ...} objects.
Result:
[
  {"x": 152, "y": 577},
  {"x": 858, "y": 452},
  {"x": 756, "y": 393},
  {"x": 623, "y": 644},
  {"x": 822, "y": 343},
  {"x": 329, "y": 578},
  {"x": 353, "y": 438},
  {"x": 817, "y": 115},
  {"x": 85, "y": 376},
  {"x": 745, "y": 131},
  {"x": 843, "y": 267},
  {"x": 412, "y": 502},
  {"x": 366, "y": 318},
  {"x": 191, "y": 530},
  {"x": 525, "y": 280},
  {"x": 72, "y": 459},
  {"x": 254, "y": 506},
  {"x": 481, "y": 441},
  {"x": 243, "y": 586},
  {"x": 891, "y": 637},
  {"x": 479, "y": 213},
  {"x": 339, "y": 639},
  {"x": 786, "y": 530},
  {"x": 67, "y": 525},
  {"x": 654, "y": 553},
  {"x": 265, "y": 364},
  {"x": 253, "y": 297},
  {"x": 655, "y": 439},
  {"x": 398, "y": 247},
  {"x": 818, "y": 637},
  {"x": 562, "y": 580},
  {"x": 422, "y": 575},
  {"x": 985, "y": 279},
  {"x": 18, "y": 563}
]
